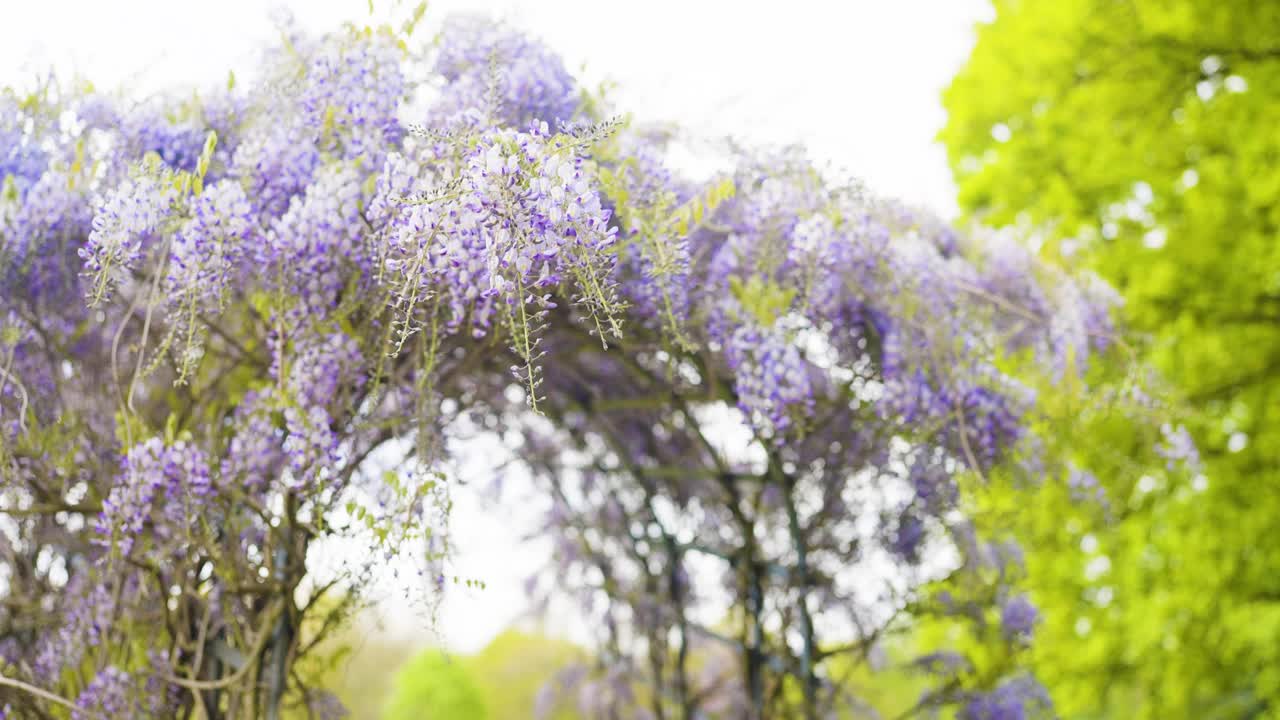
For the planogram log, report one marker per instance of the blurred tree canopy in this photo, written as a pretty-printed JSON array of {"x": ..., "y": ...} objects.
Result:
[
  {"x": 520, "y": 675},
  {"x": 357, "y": 664},
  {"x": 1140, "y": 137},
  {"x": 436, "y": 685},
  {"x": 504, "y": 681}
]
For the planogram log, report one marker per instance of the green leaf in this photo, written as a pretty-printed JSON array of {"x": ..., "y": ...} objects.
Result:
[{"x": 765, "y": 300}]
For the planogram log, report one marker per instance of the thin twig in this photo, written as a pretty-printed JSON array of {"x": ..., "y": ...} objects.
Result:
[{"x": 46, "y": 695}]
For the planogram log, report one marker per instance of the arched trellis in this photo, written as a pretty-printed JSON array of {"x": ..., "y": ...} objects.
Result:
[{"x": 284, "y": 283}]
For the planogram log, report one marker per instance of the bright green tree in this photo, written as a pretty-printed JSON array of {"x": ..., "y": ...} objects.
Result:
[
  {"x": 1142, "y": 137},
  {"x": 515, "y": 667},
  {"x": 501, "y": 682},
  {"x": 436, "y": 686}
]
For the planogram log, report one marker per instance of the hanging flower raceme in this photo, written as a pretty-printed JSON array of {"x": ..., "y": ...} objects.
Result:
[
  {"x": 520, "y": 220},
  {"x": 351, "y": 94},
  {"x": 41, "y": 235},
  {"x": 771, "y": 378},
  {"x": 21, "y": 156},
  {"x": 654, "y": 251},
  {"x": 205, "y": 257},
  {"x": 161, "y": 488},
  {"x": 1020, "y": 698},
  {"x": 319, "y": 241},
  {"x": 495, "y": 75},
  {"x": 210, "y": 247},
  {"x": 178, "y": 143},
  {"x": 126, "y": 223},
  {"x": 255, "y": 454},
  {"x": 276, "y": 164},
  {"x": 1018, "y": 617}
]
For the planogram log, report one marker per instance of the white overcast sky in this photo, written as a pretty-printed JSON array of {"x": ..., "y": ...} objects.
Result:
[{"x": 857, "y": 81}]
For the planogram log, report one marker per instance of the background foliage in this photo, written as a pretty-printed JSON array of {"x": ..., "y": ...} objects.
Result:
[{"x": 1138, "y": 137}]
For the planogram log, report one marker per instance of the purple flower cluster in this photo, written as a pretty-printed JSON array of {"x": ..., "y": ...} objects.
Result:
[
  {"x": 1083, "y": 325},
  {"x": 115, "y": 694},
  {"x": 210, "y": 247},
  {"x": 771, "y": 379},
  {"x": 494, "y": 74},
  {"x": 21, "y": 157},
  {"x": 1020, "y": 698},
  {"x": 255, "y": 454},
  {"x": 320, "y": 238},
  {"x": 1063, "y": 320},
  {"x": 178, "y": 143},
  {"x": 823, "y": 258},
  {"x": 1083, "y": 486},
  {"x": 980, "y": 414},
  {"x": 276, "y": 164},
  {"x": 1018, "y": 617},
  {"x": 324, "y": 370},
  {"x": 933, "y": 487},
  {"x": 907, "y": 537},
  {"x": 524, "y": 219},
  {"x": 40, "y": 247},
  {"x": 1178, "y": 448},
  {"x": 127, "y": 221},
  {"x": 352, "y": 93},
  {"x": 655, "y": 259},
  {"x": 111, "y": 695},
  {"x": 1007, "y": 270},
  {"x": 157, "y": 481},
  {"x": 90, "y": 609}
]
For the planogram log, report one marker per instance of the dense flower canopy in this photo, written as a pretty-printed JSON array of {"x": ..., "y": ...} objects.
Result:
[{"x": 235, "y": 327}]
